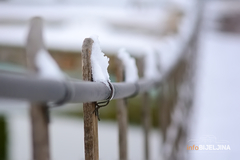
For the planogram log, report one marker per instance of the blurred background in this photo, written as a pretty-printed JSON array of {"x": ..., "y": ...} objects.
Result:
[{"x": 133, "y": 24}]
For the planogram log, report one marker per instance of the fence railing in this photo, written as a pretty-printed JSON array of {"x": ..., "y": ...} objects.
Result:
[{"x": 40, "y": 91}]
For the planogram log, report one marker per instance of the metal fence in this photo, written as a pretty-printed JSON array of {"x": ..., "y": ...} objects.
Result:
[{"x": 175, "y": 98}]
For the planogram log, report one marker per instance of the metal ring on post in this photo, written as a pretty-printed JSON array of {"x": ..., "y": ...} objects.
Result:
[
  {"x": 105, "y": 102},
  {"x": 67, "y": 96},
  {"x": 112, "y": 91}
]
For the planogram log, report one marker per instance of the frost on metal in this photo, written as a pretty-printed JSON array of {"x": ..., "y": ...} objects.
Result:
[
  {"x": 47, "y": 67},
  {"x": 99, "y": 63},
  {"x": 150, "y": 64},
  {"x": 130, "y": 68}
]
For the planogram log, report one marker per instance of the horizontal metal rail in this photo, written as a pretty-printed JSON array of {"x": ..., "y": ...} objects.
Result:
[{"x": 32, "y": 88}]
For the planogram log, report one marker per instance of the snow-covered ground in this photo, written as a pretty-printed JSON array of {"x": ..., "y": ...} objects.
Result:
[
  {"x": 68, "y": 25},
  {"x": 217, "y": 104},
  {"x": 67, "y": 139}
]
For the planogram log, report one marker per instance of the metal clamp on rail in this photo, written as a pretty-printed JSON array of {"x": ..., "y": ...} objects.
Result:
[
  {"x": 105, "y": 102},
  {"x": 67, "y": 96}
]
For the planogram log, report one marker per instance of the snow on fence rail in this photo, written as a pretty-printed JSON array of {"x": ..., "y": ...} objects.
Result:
[{"x": 44, "y": 88}]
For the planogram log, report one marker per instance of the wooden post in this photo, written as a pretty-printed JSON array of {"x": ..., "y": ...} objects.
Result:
[
  {"x": 146, "y": 112},
  {"x": 90, "y": 120},
  {"x": 122, "y": 117},
  {"x": 146, "y": 119},
  {"x": 38, "y": 111},
  {"x": 163, "y": 110}
]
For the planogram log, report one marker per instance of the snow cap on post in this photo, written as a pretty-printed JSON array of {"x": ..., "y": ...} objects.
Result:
[
  {"x": 38, "y": 57},
  {"x": 150, "y": 64},
  {"x": 130, "y": 68},
  {"x": 170, "y": 50},
  {"x": 99, "y": 63},
  {"x": 47, "y": 67}
]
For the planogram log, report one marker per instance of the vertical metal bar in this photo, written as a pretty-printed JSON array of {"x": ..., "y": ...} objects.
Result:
[
  {"x": 90, "y": 120},
  {"x": 122, "y": 116},
  {"x": 38, "y": 111}
]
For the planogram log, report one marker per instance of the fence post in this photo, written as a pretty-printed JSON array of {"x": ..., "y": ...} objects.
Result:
[
  {"x": 122, "y": 116},
  {"x": 163, "y": 110},
  {"x": 38, "y": 111},
  {"x": 146, "y": 111},
  {"x": 90, "y": 120}
]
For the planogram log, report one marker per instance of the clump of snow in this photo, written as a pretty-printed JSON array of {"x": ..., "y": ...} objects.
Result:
[
  {"x": 130, "y": 68},
  {"x": 99, "y": 63},
  {"x": 187, "y": 25},
  {"x": 188, "y": 21},
  {"x": 150, "y": 64},
  {"x": 169, "y": 52},
  {"x": 47, "y": 67}
]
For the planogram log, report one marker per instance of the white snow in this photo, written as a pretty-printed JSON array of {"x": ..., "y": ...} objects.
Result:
[
  {"x": 171, "y": 47},
  {"x": 168, "y": 52},
  {"x": 130, "y": 68},
  {"x": 47, "y": 67},
  {"x": 187, "y": 24},
  {"x": 150, "y": 64},
  {"x": 67, "y": 139},
  {"x": 216, "y": 107},
  {"x": 69, "y": 37},
  {"x": 67, "y": 26},
  {"x": 99, "y": 63},
  {"x": 217, "y": 94}
]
